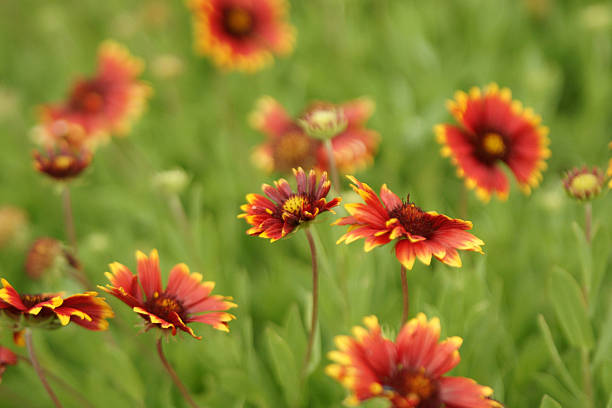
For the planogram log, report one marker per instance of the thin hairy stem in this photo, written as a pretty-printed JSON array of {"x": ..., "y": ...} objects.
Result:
[
  {"x": 315, "y": 298},
  {"x": 406, "y": 300},
  {"x": 174, "y": 376},
  {"x": 38, "y": 369},
  {"x": 333, "y": 170}
]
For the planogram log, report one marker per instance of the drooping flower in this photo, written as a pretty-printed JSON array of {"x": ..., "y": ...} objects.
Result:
[
  {"x": 185, "y": 300},
  {"x": 584, "y": 184},
  {"x": 48, "y": 309},
  {"x": 417, "y": 234},
  {"x": 284, "y": 210},
  {"x": 493, "y": 129},
  {"x": 289, "y": 146},
  {"x": 242, "y": 35},
  {"x": 62, "y": 162},
  {"x": 408, "y": 372},
  {"x": 7, "y": 358},
  {"x": 109, "y": 101}
]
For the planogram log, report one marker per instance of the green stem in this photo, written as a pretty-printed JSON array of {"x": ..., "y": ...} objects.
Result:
[
  {"x": 175, "y": 378},
  {"x": 315, "y": 299},
  {"x": 68, "y": 218},
  {"x": 38, "y": 368},
  {"x": 406, "y": 300},
  {"x": 588, "y": 221}
]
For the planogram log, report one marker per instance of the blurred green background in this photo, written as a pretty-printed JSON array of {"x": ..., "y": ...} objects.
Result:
[{"x": 409, "y": 56}]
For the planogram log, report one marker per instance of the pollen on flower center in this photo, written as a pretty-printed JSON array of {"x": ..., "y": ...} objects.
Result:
[
  {"x": 32, "y": 300},
  {"x": 163, "y": 305},
  {"x": 585, "y": 182},
  {"x": 416, "y": 387},
  {"x": 238, "y": 21},
  {"x": 413, "y": 220},
  {"x": 294, "y": 204},
  {"x": 493, "y": 144}
]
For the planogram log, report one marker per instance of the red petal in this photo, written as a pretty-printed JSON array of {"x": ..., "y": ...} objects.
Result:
[{"x": 149, "y": 273}]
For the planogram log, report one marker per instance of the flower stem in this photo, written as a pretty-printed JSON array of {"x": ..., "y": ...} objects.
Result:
[
  {"x": 588, "y": 221},
  {"x": 332, "y": 165},
  {"x": 173, "y": 375},
  {"x": 315, "y": 299},
  {"x": 406, "y": 304},
  {"x": 68, "y": 217},
  {"x": 38, "y": 369}
]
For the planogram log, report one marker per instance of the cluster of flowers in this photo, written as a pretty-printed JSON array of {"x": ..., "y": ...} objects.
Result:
[{"x": 492, "y": 130}]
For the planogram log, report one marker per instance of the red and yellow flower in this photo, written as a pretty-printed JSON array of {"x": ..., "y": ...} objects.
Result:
[
  {"x": 108, "y": 102},
  {"x": 417, "y": 234},
  {"x": 289, "y": 146},
  {"x": 48, "y": 309},
  {"x": 408, "y": 372},
  {"x": 284, "y": 210},
  {"x": 186, "y": 299},
  {"x": 7, "y": 358},
  {"x": 493, "y": 129},
  {"x": 242, "y": 34},
  {"x": 62, "y": 162}
]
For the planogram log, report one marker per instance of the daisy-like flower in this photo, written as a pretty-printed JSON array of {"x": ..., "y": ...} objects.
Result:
[
  {"x": 283, "y": 210},
  {"x": 408, "y": 372},
  {"x": 242, "y": 34},
  {"x": 62, "y": 162},
  {"x": 493, "y": 129},
  {"x": 289, "y": 146},
  {"x": 185, "y": 300},
  {"x": 417, "y": 234},
  {"x": 584, "y": 184},
  {"x": 48, "y": 309},
  {"x": 109, "y": 101},
  {"x": 7, "y": 358}
]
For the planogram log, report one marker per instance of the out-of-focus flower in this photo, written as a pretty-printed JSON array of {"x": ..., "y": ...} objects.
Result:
[
  {"x": 108, "y": 102},
  {"x": 185, "y": 300},
  {"x": 242, "y": 34},
  {"x": 50, "y": 134},
  {"x": 284, "y": 210},
  {"x": 52, "y": 310},
  {"x": 42, "y": 256},
  {"x": 417, "y": 234},
  {"x": 13, "y": 224},
  {"x": 408, "y": 372},
  {"x": 7, "y": 358},
  {"x": 323, "y": 121},
  {"x": 289, "y": 146},
  {"x": 494, "y": 129},
  {"x": 62, "y": 162},
  {"x": 167, "y": 66},
  {"x": 170, "y": 182},
  {"x": 584, "y": 184}
]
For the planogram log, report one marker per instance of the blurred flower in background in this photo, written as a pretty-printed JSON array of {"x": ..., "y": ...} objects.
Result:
[
  {"x": 13, "y": 226},
  {"x": 167, "y": 66},
  {"x": 284, "y": 210},
  {"x": 108, "y": 102},
  {"x": 186, "y": 299},
  {"x": 46, "y": 254},
  {"x": 170, "y": 182},
  {"x": 584, "y": 184},
  {"x": 7, "y": 358},
  {"x": 289, "y": 146},
  {"x": 242, "y": 34},
  {"x": 419, "y": 234},
  {"x": 408, "y": 372},
  {"x": 494, "y": 129},
  {"x": 63, "y": 162}
]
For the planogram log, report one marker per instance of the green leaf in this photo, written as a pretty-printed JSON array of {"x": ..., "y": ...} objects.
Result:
[
  {"x": 570, "y": 309},
  {"x": 604, "y": 345},
  {"x": 295, "y": 332},
  {"x": 548, "y": 402},
  {"x": 609, "y": 402},
  {"x": 284, "y": 365}
]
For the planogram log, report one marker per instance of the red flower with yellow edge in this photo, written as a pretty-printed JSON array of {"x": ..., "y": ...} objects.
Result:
[
  {"x": 108, "y": 102},
  {"x": 417, "y": 234},
  {"x": 7, "y": 358},
  {"x": 185, "y": 300},
  {"x": 62, "y": 162},
  {"x": 289, "y": 146},
  {"x": 284, "y": 210},
  {"x": 48, "y": 309},
  {"x": 493, "y": 129},
  {"x": 242, "y": 35},
  {"x": 408, "y": 372}
]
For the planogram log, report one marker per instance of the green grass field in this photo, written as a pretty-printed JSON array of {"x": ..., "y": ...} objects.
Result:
[{"x": 409, "y": 57}]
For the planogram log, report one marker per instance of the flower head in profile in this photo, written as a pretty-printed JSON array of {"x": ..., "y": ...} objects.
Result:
[
  {"x": 584, "y": 184},
  {"x": 417, "y": 234},
  {"x": 186, "y": 299},
  {"x": 62, "y": 162},
  {"x": 242, "y": 35},
  {"x": 409, "y": 372},
  {"x": 494, "y": 130},
  {"x": 52, "y": 310},
  {"x": 289, "y": 145},
  {"x": 109, "y": 101},
  {"x": 282, "y": 210},
  {"x": 7, "y": 358}
]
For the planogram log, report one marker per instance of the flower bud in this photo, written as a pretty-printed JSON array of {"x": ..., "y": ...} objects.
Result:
[
  {"x": 323, "y": 121},
  {"x": 584, "y": 184}
]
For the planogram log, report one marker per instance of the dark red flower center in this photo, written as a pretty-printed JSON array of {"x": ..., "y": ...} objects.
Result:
[
  {"x": 163, "y": 306},
  {"x": 415, "y": 387},
  {"x": 87, "y": 97},
  {"x": 32, "y": 300},
  {"x": 413, "y": 219},
  {"x": 490, "y": 147},
  {"x": 293, "y": 150},
  {"x": 238, "y": 21}
]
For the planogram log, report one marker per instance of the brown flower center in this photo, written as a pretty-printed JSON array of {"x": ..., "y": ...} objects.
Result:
[
  {"x": 163, "y": 306},
  {"x": 238, "y": 21},
  {"x": 32, "y": 300},
  {"x": 293, "y": 150},
  {"x": 294, "y": 205},
  {"x": 416, "y": 387},
  {"x": 413, "y": 219},
  {"x": 87, "y": 98}
]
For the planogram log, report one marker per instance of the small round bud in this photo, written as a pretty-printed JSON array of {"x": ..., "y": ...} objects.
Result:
[
  {"x": 323, "y": 121},
  {"x": 42, "y": 257},
  {"x": 170, "y": 182},
  {"x": 584, "y": 184}
]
